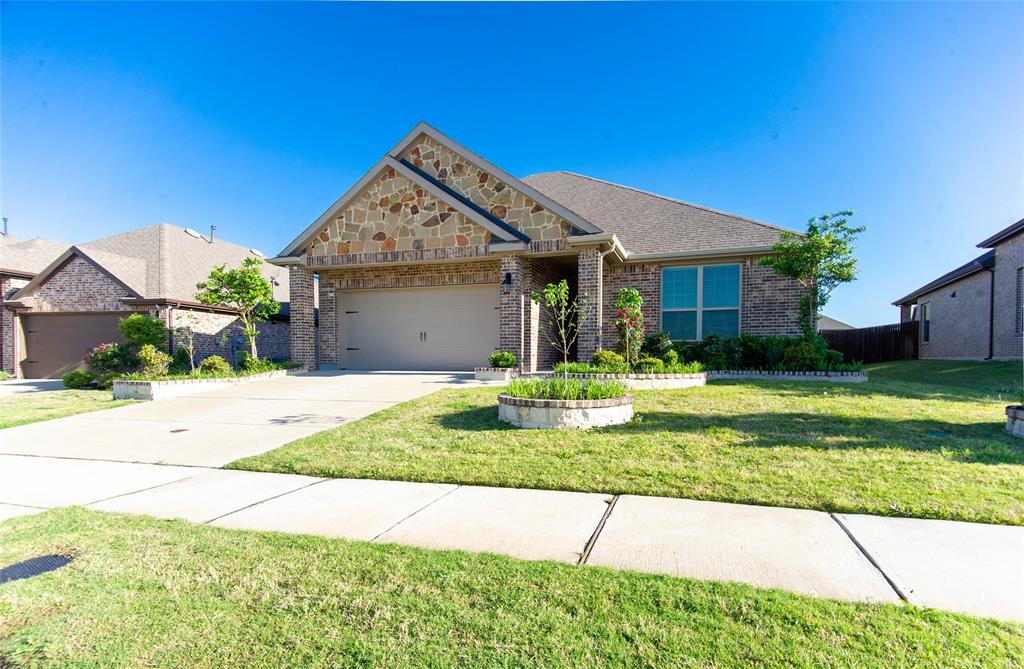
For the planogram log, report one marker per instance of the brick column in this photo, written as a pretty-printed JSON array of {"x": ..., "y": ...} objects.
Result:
[
  {"x": 302, "y": 327},
  {"x": 328, "y": 323},
  {"x": 590, "y": 280},
  {"x": 511, "y": 305}
]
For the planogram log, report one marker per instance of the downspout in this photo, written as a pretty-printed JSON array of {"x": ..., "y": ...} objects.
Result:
[{"x": 991, "y": 311}]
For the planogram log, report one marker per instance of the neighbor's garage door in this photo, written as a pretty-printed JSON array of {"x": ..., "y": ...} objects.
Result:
[
  {"x": 451, "y": 328},
  {"x": 54, "y": 344}
]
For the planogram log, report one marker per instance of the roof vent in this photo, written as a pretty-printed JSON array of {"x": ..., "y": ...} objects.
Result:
[
  {"x": 257, "y": 253},
  {"x": 192, "y": 233}
]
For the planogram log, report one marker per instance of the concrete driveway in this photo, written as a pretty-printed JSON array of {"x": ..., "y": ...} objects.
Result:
[
  {"x": 23, "y": 386},
  {"x": 214, "y": 428}
]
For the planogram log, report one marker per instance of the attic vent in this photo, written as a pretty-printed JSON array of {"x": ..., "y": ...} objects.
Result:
[
  {"x": 257, "y": 253},
  {"x": 192, "y": 233}
]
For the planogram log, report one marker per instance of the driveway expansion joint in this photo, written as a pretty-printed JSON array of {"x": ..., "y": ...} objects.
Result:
[{"x": 249, "y": 506}]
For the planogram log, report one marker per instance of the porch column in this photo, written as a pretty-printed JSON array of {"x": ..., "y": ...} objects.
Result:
[
  {"x": 590, "y": 284},
  {"x": 512, "y": 305},
  {"x": 302, "y": 327}
]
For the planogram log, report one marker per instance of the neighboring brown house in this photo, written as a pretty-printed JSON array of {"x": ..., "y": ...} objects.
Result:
[
  {"x": 20, "y": 260},
  {"x": 428, "y": 262},
  {"x": 827, "y": 323},
  {"x": 76, "y": 301},
  {"x": 974, "y": 311}
]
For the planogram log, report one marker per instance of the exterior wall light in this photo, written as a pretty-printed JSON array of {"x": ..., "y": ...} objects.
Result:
[{"x": 506, "y": 283}]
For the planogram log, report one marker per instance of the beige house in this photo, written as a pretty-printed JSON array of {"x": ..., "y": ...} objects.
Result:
[
  {"x": 974, "y": 312},
  {"x": 76, "y": 300},
  {"x": 428, "y": 262}
]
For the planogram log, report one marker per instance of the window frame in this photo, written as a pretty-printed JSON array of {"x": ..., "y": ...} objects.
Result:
[
  {"x": 1019, "y": 318},
  {"x": 700, "y": 308},
  {"x": 925, "y": 316}
]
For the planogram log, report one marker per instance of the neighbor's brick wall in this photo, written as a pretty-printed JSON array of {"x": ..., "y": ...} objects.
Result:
[
  {"x": 9, "y": 324},
  {"x": 214, "y": 330},
  {"x": 79, "y": 286},
  {"x": 1006, "y": 342},
  {"x": 303, "y": 326},
  {"x": 959, "y": 325}
]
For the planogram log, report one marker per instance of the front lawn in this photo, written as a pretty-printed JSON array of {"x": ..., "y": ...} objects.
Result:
[
  {"x": 45, "y": 405},
  {"x": 921, "y": 439},
  {"x": 143, "y": 592}
]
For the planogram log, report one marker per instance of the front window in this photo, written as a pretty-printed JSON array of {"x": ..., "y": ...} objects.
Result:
[
  {"x": 926, "y": 322},
  {"x": 1020, "y": 300},
  {"x": 699, "y": 301}
]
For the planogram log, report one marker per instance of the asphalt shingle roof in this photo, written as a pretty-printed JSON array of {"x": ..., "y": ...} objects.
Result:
[
  {"x": 649, "y": 223},
  {"x": 30, "y": 256}
]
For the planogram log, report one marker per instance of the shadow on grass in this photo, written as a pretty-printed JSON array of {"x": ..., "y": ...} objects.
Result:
[{"x": 985, "y": 443}]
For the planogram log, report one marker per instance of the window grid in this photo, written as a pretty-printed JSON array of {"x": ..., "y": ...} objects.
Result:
[
  {"x": 1020, "y": 299},
  {"x": 699, "y": 309}
]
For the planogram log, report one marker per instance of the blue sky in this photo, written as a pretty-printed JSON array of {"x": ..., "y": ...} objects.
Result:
[{"x": 255, "y": 117}]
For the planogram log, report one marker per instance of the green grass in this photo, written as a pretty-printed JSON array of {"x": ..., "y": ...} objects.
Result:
[
  {"x": 921, "y": 439},
  {"x": 33, "y": 407},
  {"x": 144, "y": 592}
]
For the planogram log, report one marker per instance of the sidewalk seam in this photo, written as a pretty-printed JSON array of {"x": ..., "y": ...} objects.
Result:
[
  {"x": 901, "y": 591},
  {"x": 585, "y": 555},
  {"x": 433, "y": 501},
  {"x": 132, "y": 492},
  {"x": 249, "y": 506}
]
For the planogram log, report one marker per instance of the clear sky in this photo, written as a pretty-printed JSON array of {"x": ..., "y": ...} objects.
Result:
[{"x": 255, "y": 117}]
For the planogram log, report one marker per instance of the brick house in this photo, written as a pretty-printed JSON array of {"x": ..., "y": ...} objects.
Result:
[
  {"x": 77, "y": 299},
  {"x": 428, "y": 261},
  {"x": 974, "y": 311}
]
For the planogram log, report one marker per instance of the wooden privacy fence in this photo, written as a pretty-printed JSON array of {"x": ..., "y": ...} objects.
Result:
[{"x": 881, "y": 343}]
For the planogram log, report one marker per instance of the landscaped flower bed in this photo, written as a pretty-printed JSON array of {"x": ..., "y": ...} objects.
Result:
[
  {"x": 502, "y": 367},
  {"x": 564, "y": 403},
  {"x": 1015, "y": 420},
  {"x": 827, "y": 375},
  {"x": 164, "y": 388}
]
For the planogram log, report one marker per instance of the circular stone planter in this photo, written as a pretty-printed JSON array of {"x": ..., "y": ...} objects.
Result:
[
  {"x": 578, "y": 414},
  {"x": 1015, "y": 420},
  {"x": 494, "y": 373}
]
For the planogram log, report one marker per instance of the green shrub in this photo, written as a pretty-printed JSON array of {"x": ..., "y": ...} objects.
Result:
[
  {"x": 854, "y": 366},
  {"x": 214, "y": 365},
  {"x": 139, "y": 330},
  {"x": 685, "y": 368},
  {"x": 110, "y": 357},
  {"x": 719, "y": 353},
  {"x": 5, "y": 375},
  {"x": 181, "y": 363},
  {"x": 555, "y": 388},
  {"x": 670, "y": 358},
  {"x": 833, "y": 358},
  {"x": 656, "y": 345},
  {"x": 504, "y": 359},
  {"x": 251, "y": 365},
  {"x": 79, "y": 378},
  {"x": 153, "y": 362},
  {"x": 576, "y": 368},
  {"x": 803, "y": 357},
  {"x": 650, "y": 366},
  {"x": 609, "y": 362},
  {"x": 106, "y": 381}
]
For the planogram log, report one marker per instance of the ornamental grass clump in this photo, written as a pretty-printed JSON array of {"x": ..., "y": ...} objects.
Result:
[{"x": 564, "y": 389}]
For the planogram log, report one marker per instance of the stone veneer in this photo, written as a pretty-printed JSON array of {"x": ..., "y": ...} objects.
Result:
[{"x": 486, "y": 191}]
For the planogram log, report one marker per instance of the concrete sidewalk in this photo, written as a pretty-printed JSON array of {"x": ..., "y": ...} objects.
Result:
[{"x": 962, "y": 567}]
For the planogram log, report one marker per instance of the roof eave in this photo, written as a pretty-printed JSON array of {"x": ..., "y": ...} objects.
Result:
[
  {"x": 709, "y": 253},
  {"x": 970, "y": 270},
  {"x": 1001, "y": 236}
]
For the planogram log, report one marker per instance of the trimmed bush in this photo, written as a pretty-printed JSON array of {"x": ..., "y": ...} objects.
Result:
[
  {"x": 214, "y": 365},
  {"x": 803, "y": 357},
  {"x": 656, "y": 345},
  {"x": 561, "y": 389},
  {"x": 110, "y": 357},
  {"x": 650, "y": 366},
  {"x": 78, "y": 378},
  {"x": 503, "y": 359},
  {"x": 608, "y": 360},
  {"x": 139, "y": 330},
  {"x": 153, "y": 362},
  {"x": 670, "y": 358},
  {"x": 106, "y": 381}
]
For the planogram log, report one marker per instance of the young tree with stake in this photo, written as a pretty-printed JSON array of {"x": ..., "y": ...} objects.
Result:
[{"x": 564, "y": 316}]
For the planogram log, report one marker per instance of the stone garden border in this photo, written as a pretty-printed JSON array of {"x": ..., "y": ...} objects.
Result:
[
  {"x": 579, "y": 414},
  {"x": 640, "y": 381},
  {"x": 838, "y": 377},
  {"x": 495, "y": 373},
  {"x": 1015, "y": 420},
  {"x": 161, "y": 390}
]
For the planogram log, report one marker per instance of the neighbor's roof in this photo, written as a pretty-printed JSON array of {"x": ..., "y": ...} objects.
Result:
[
  {"x": 649, "y": 223},
  {"x": 164, "y": 262},
  {"x": 28, "y": 256},
  {"x": 984, "y": 261},
  {"x": 829, "y": 323},
  {"x": 1003, "y": 235}
]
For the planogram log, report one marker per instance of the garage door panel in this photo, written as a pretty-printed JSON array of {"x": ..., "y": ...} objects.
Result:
[
  {"x": 449, "y": 328},
  {"x": 54, "y": 344}
]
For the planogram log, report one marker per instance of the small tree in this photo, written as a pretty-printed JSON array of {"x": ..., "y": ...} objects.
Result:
[
  {"x": 564, "y": 316},
  {"x": 185, "y": 338},
  {"x": 629, "y": 321},
  {"x": 820, "y": 260},
  {"x": 245, "y": 290}
]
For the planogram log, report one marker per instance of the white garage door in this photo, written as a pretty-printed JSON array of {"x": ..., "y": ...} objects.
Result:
[{"x": 450, "y": 328}]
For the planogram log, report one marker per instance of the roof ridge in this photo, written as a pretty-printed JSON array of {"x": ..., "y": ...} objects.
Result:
[{"x": 669, "y": 199}]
